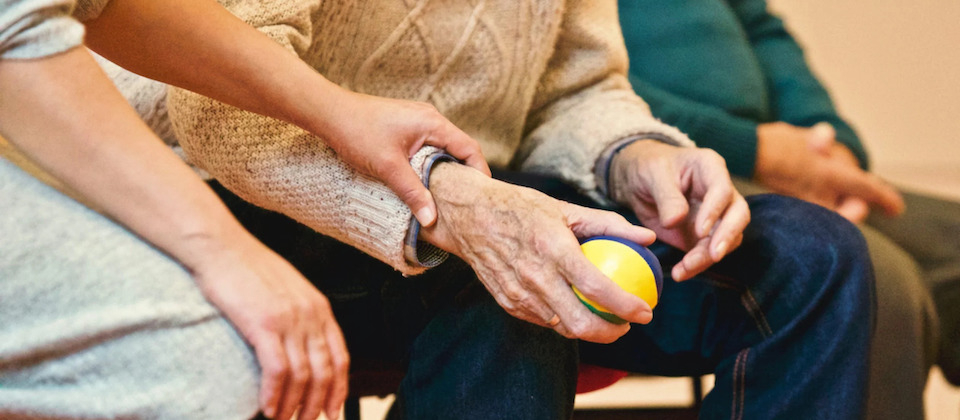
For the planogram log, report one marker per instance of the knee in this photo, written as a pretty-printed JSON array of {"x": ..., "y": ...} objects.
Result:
[
  {"x": 203, "y": 371},
  {"x": 823, "y": 255}
]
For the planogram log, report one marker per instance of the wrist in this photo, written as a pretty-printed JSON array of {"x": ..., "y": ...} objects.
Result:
[
  {"x": 203, "y": 242},
  {"x": 320, "y": 105},
  {"x": 461, "y": 194},
  {"x": 622, "y": 167},
  {"x": 770, "y": 158}
]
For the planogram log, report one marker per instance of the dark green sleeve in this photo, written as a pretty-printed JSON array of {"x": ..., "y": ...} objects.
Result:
[
  {"x": 797, "y": 95},
  {"x": 732, "y": 137}
]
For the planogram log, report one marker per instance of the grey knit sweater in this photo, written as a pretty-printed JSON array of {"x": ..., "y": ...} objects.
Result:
[{"x": 94, "y": 322}]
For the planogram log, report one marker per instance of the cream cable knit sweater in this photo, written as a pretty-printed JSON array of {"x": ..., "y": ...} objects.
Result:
[{"x": 540, "y": 84}]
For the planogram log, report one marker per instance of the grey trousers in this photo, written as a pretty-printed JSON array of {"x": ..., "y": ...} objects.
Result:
[
  {"x": 911, "y": 255},
  {"x": 96, "y": 323}
]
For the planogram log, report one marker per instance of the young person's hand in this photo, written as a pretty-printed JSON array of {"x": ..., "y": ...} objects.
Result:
[
  {"x": 378, "y": 136},
  {"x": 65, "y": 116},
  {"x": 686, "y": 196},
  {"x": 238, "y": 65},
  {"x": 288, "y": 322}
]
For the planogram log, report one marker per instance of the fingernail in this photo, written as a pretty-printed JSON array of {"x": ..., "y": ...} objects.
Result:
[
  {"x": 426, "y": 216},
  {"x": 645, "y": 317},
  {"x": 720, "y": 250}
]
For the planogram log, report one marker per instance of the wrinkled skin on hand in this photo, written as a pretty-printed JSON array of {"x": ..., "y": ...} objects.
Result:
[
  {"x": 523, "y": 246},
  {"x": 686, "y": 196},
  {"x": 809, "y": 164}
]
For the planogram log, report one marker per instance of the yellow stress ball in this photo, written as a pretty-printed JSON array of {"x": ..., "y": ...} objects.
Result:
[{"x": 631, "y": 266}]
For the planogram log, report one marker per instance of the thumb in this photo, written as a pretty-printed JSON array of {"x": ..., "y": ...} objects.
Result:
[
  {"x": 410, "y": 189},
  {"x": 821, "y": 137},
  {"x": 853, "y": 209}
]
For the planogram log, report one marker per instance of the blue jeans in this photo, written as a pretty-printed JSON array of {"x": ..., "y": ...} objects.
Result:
[{"x": 784, "y": 323}]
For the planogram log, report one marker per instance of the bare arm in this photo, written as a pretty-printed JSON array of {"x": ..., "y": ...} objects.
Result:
[
  {"x": 83, "y": 132},
  {"x": 211, "y": 52}
]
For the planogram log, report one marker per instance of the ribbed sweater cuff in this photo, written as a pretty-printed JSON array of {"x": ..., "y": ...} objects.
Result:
[
  {"x": 605, "y": 162},
  {"x": 417, "y": 252}
]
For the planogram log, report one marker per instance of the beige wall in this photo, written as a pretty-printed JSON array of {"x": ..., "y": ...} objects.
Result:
[{"x": 894, "y": 69}]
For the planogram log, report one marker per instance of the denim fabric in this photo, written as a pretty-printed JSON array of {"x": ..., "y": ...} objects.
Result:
[
  {"x": 466, "y": 357},
  {"x": 784, "y": 322}
]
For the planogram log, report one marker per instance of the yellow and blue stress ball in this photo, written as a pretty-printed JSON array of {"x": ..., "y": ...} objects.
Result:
[{"x": 631, "y": 266}]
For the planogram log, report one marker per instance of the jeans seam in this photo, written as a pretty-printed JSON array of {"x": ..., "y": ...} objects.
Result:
[
  {"x": 753, "y": 308},
  {"x": 739, "y": 384},
  {"x": 747, "y": 300}
]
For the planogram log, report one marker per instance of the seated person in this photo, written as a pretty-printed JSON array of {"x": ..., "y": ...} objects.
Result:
[
  {"x": 775, "y": 307},
  {"x": 145, "y": 315},
  {"x": 729, "y": 74}
]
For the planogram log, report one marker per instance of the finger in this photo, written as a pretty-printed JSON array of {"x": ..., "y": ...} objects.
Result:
[
  {"x": 274, "y": 369},
  {"x": 694, "y": 261},
  {"x": 592, "y": 284},
  {"x": 672, "y": 206},
  {"x": 869, "y": 187},
  {"x": 315, "y": 393},
  {"x": 734, "y": 221},
  {"x": 340, "y": 360},
  {"x": 586, "y": 222},
  {"x": 524, "y": 291},
  {"x": 577, "y": 322},
  {"x": 404, "y": 182},
  {"x": 821, "y": 138},
  {"x": 853, "y": 209},
  {"x": 461, "y": 146},
  {"x": 715, "y": 203},
  {"x": 295, "y": 347}
]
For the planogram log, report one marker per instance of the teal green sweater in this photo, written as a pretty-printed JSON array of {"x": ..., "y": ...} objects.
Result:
[{"x": 716, "y": 69}]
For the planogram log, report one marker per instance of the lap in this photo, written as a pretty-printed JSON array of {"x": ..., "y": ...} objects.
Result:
[{"x": 90, "y": 310}]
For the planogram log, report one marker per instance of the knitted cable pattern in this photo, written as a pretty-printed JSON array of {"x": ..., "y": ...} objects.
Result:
[{"x": 540, "y": 84}]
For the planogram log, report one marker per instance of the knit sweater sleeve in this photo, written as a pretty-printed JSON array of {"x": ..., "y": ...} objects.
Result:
[
  {"x": 733, "y": 137},
  {"x": 280, "y": 167},
  {"x": 584, "y": 102},
  {"x": 798, "y": 96}
]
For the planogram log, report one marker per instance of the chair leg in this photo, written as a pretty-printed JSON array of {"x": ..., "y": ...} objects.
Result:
[
  {"x": 351, "y": 408},
  {"x": 697, "y": 392}
]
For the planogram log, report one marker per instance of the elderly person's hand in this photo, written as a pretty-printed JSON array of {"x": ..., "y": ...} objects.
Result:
[
  {"x": 686, "y": 196},
  {"x": 523, "y": 246},
  {"x": 808, "y": 163}
]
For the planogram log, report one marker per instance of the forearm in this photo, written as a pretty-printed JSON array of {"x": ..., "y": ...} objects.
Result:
[
  {"x": 81, "y": 130},
  {"x": 234, "y": 63}
]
